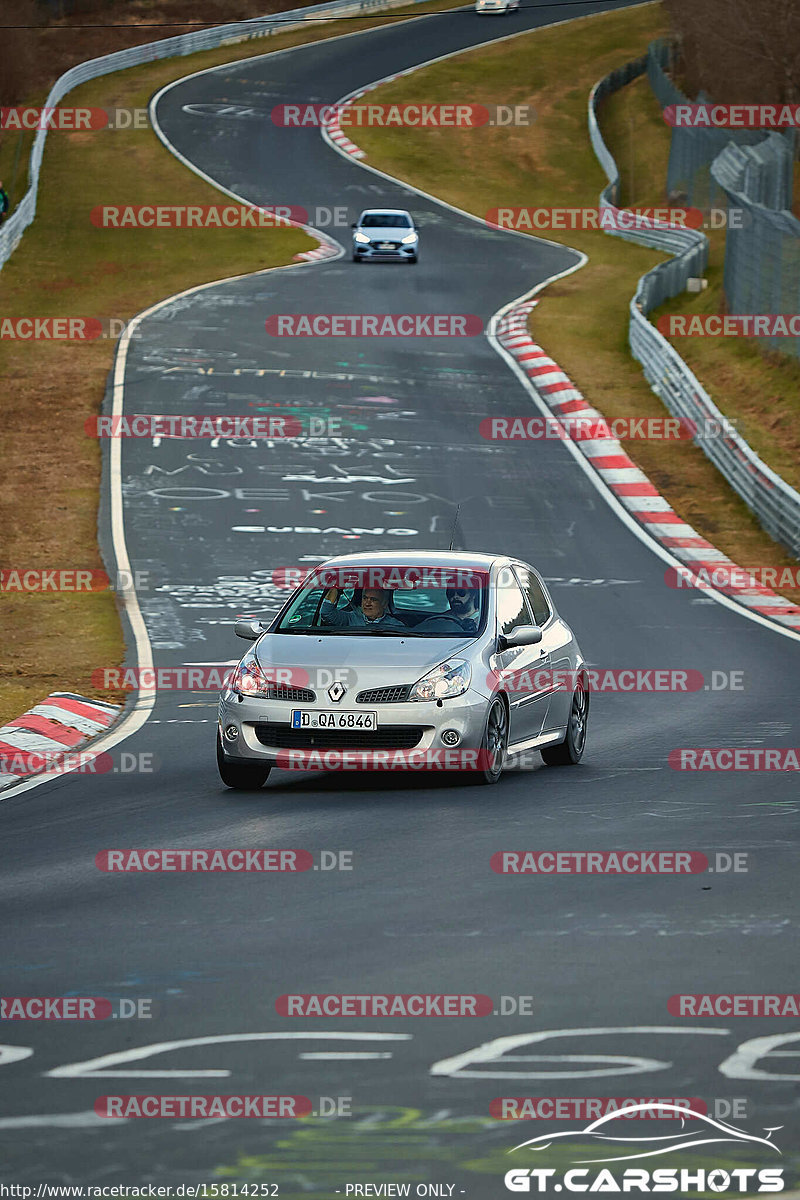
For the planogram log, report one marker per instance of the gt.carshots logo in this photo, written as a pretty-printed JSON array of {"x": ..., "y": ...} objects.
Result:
[
  {"x": 373, "y": 325},
  {"x": 609, "y": 1142}
]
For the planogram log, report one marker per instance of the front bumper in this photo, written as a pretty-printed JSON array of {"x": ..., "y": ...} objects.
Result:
[
  {"x": 370, "y": 251},
  {"x": 411, "y": 730}
]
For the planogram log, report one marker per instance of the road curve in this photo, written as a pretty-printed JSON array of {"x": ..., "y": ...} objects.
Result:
[{"x": 421, "y": 910}]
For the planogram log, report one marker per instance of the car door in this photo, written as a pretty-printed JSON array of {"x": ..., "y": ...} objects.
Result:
[
  {"x": 555, "y": 645},
  {"x": 517, "y": 667}
]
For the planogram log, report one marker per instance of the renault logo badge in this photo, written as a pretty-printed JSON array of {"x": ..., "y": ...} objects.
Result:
[{"x": 336, "y": 691}]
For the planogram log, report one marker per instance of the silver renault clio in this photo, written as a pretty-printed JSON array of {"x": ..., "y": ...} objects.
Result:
[{"x": 423, "y": 660}]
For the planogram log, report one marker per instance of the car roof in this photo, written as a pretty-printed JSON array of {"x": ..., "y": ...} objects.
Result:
[
  {"x": 380, "y": 211},
  {"x": 417, "y": 558}
]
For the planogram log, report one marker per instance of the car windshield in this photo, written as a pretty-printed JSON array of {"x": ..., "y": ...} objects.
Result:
[
  {"x": 385, "y": 221},
  {"x": 433, "y": 607}
]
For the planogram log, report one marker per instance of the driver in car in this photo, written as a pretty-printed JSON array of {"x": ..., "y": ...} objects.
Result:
[
  {"x": 373, "y": 613},
  {"x": 464, "y": 615}
]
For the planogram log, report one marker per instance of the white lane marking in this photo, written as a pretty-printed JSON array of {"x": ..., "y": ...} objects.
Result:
[
  {"x": 11, "y": 1054},
  {"x": 93, "y": 1068},
  {"x": 619, "y": 1064},
  {"x": 741, "y": 1064},
  {"x": 76, "y": 1120},
  {"x": 340, "y": 1056}
]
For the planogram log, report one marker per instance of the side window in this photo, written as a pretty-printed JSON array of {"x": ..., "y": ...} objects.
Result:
[
  {"x": 532, "y": 587},
  {"x": 511, "y": 609}
]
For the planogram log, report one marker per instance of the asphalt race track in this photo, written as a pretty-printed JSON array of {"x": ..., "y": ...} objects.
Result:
[{"x": 421, "y": 910}]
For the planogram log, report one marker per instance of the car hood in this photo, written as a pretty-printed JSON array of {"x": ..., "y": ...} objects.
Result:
[
  {"x": 388, "y": 233},
  {"x": 374, "y": 661}
]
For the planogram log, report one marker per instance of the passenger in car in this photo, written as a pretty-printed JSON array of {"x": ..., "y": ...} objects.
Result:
[
  {"x": 373, "y": 612},
  {"x": 463, "y": 617}
]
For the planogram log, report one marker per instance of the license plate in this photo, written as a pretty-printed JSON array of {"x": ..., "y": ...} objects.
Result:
[
  {"x": 303, "y": 719},
  {"x": 386, "y": 245}
]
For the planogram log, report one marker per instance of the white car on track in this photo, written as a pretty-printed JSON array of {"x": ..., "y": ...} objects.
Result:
[{"x": 503, "y": 7}]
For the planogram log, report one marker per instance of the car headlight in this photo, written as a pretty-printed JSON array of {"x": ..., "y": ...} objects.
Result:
[
  {"x": 360, "y": 237},
  {"x": 248, "y": 678},
  {"x": 410, "y": 237},
  {"x": 450, "y": 678}
]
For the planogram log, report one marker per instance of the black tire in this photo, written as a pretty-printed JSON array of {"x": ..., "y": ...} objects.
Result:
[
  {"x": 244, "y": 777},
  {"x": 357, "y": 258},
  {"x": 413, "y": 258},
  {"x": 495, "y": 743},
  {"x": 570, "y": 752}
]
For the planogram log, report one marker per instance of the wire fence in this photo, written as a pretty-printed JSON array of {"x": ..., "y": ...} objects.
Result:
[
  {"x": 762, "y": 250},
  {"x": 774, "y": 502},
  {"x": 174, "y": 47},
  {"x": 692, "y": 150}
]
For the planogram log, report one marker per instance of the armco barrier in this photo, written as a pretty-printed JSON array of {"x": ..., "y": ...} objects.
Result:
[
  {"x": 175, "y": 47},
  {"x": 774, "y": 502}
]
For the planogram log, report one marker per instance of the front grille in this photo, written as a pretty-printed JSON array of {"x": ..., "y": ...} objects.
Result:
[
  {"x": 384, "y": 695},
  {"x": 390, "y": 737},
  {"x": 279, "y": 691}
]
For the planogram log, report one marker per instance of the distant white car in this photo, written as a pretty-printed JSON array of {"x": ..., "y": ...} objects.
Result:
[
  {"x": 496, "y": 6},
  {"x": 385, "y": 233}
]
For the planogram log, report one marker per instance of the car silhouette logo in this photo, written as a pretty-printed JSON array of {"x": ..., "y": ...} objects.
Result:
[
  {"x": 336, "y": 691},
  {"x": 703, "y": 1132}
]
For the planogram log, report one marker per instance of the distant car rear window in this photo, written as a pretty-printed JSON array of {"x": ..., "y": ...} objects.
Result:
[{"x": 385, "y": 220}]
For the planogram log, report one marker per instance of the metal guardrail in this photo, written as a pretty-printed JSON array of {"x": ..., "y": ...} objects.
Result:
[
  {"x": 174, "y": 47},
  {"x": 774, "y": 502}
]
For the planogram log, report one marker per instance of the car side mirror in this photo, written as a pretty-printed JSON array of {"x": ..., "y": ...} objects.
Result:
[
  {"x": 416, "y": 228},
  {"x": 521, "y": 635},
  {"x": 354, "y": 226},
  {"x": 249, "y": 629}
]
